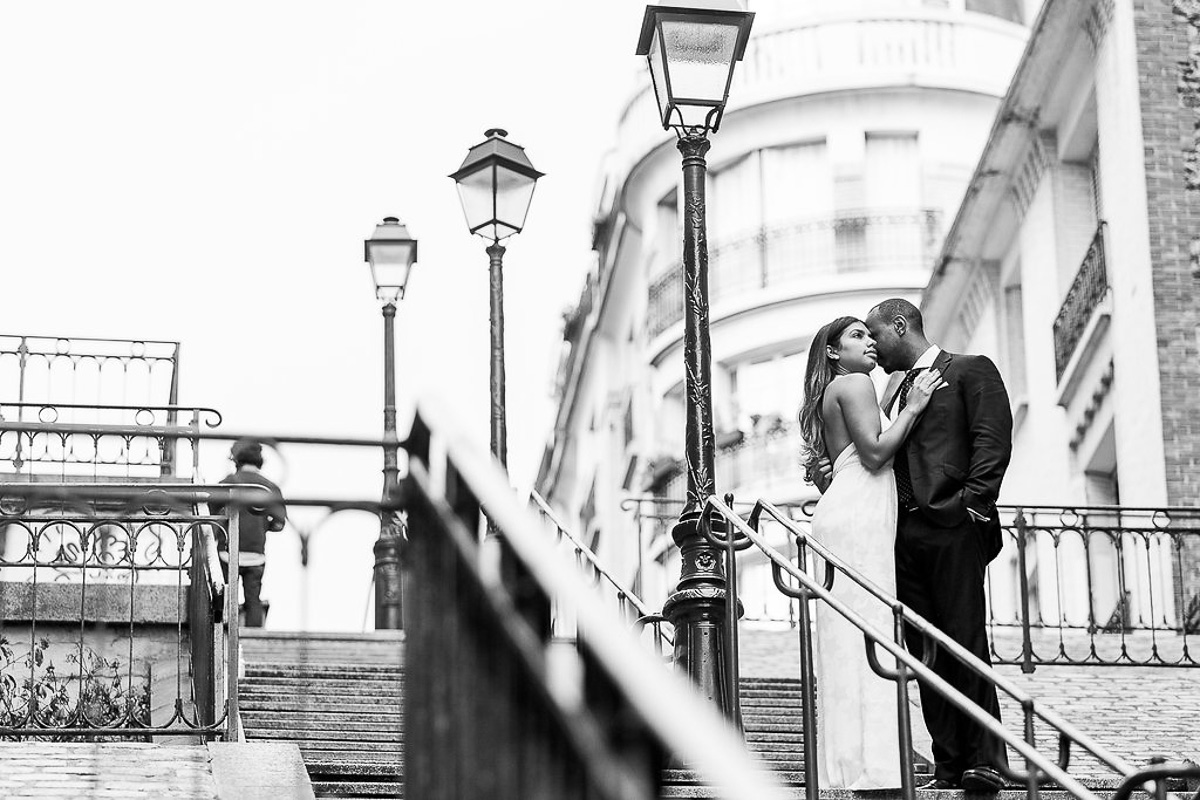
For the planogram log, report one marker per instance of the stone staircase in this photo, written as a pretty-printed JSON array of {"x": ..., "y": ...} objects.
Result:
[{"x": 338, "y": 697}]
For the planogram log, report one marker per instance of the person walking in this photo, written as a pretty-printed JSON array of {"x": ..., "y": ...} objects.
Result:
[
  {"x": 253, "y": 524},
  {"x": 948, "y": 474}
]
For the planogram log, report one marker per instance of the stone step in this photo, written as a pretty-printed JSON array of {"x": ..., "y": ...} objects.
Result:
[
  {"x": 348, "y": 671},
  {"x": 262, "y": 721},
  {"x": 301, "y": 735},
  {"x": 288, "y": 702},
  {"x": 342, "y": 766},
  {"x": 357, "y": 789}
]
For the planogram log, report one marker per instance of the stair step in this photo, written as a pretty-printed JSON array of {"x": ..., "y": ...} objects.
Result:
[
  {"x": 291, "y": 702},
  {"x": 318, "y": 723},
  {"x": 295, "y": 734},
  {"x": 358, "y": 789}
]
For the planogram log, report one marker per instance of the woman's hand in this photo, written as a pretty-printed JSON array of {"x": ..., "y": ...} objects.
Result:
[{"x": 922, "y": 389}]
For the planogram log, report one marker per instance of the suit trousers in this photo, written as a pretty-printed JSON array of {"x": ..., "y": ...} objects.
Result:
[{"x": 940, "y": 575}]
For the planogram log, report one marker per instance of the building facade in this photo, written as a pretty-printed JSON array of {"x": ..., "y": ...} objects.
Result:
[
  {"x": 850, "y": 135},
  {"x": 1073, "y": 262}
]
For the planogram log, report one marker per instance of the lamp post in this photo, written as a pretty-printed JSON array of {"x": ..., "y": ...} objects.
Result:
[
  {"x": 495, "y": 185},
  {"x": 691, "y": 51},
  {"x": 391, "y": 252}
]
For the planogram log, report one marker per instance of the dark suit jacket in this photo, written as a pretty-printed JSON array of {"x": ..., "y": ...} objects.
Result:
[{"x": 960, "y": 447}]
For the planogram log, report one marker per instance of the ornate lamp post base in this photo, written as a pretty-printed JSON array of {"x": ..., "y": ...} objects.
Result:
[
  {"x": 697, "y": 610},
  {"x": 389, "y": 604}
]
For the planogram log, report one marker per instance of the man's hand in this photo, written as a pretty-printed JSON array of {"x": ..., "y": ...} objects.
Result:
[{"x": 821, "y": 475}]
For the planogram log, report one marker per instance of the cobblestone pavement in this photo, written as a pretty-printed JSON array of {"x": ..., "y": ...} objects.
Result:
[
  {"x": 1135, "y": 712},
  {"x": 112, "y": 771}
]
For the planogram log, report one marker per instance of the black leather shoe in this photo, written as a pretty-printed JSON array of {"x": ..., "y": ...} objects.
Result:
[
  {"x": 940, "y": 783},
  {"x": 982, "y": 779}
]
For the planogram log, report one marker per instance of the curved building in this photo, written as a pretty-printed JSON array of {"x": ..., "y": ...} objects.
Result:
[{"x": 851, "y": 133}]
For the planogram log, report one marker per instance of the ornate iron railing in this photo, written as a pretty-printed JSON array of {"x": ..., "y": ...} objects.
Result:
[
  {"x": 1086, "y": 292},
  {"x": 611, "y": 591},
  {"x": 147, "y": 446},
  {"x": 495, "y": 707},
  {"x": 111, "y": 607},
  {"x": 725, "y": 528},
  {"x": 1096, "y": 585},
  {"x": 788, "y": 254},
  {"x": 1073, "y": 585}
]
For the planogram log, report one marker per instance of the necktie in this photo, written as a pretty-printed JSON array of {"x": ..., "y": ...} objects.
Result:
[{"x": 904, "y": 489}]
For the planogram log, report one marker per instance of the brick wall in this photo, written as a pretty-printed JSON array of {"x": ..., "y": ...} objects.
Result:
[{"x": 1174, "y": 215}]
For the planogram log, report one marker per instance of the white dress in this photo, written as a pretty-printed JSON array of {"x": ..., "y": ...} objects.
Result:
[{"x": 857, "y": 731}]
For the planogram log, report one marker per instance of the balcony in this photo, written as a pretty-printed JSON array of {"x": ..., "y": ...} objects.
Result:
[
  {"x": 786, "y": 255},
  {"x": 771, "y": 456},
  {"x": 1074, "y": 324}
]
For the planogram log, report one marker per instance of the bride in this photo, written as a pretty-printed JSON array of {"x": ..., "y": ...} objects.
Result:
[{"x": 858, "y": 733}]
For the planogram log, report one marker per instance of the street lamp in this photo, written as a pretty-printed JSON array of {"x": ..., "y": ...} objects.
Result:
[
  {"x": 495, "y": 185},
  {"x": 691, "y": 51},
  {"x": 391, "y": 252}
]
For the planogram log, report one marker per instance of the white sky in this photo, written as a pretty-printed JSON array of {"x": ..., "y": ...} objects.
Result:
[{"x": 207, "y": 174}]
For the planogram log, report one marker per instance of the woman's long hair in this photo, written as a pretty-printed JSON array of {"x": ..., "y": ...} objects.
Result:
[{"x": 820, "y": 372}]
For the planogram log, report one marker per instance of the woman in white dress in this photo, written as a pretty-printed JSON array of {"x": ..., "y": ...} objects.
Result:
[{"x": 857, "y": 728}]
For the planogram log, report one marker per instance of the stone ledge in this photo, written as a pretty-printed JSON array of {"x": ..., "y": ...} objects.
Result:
[{"x": 101, "y": 602}]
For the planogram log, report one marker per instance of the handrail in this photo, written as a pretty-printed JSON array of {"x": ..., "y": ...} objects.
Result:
[
  {"x": 448, "y": 483},
  {"x": 645, "y": 615},
  {"x": 908, "y": 663}
]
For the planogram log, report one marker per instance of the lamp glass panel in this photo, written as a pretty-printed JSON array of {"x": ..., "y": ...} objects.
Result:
[
  {"x": 390, "y": 264},
  {"x": 475, "y": 192},
  {"x": 700, "y": 56},
  {"x": 658, "y": 74},
  {"x": 514, "y": 192}
]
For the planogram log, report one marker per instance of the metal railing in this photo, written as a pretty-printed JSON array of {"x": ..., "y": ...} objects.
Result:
[
  {"x": 147, "y": 448},
  {"x": 496, "y": 707},
  {"x": 612, "y": 592},
  {"x": 726, "y": 529},
  {"x": 111, "y": 602},
  {"x": 64, "y": 376},
  {"x": 789, "y": 254},
  {"x": 1072, "y": 585},
  {"x": 1086, "y": 292},
  {"x": 1097, "y": 585}
]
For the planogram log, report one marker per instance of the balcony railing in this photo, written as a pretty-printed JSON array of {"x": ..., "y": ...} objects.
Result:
[
  {"x": 1086, "y": 292},
  {"x": 786, "y": 255},
  {"x": 771, "y": 456}
]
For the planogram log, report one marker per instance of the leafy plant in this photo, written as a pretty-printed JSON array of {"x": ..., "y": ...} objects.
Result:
[{"x": 34, "y": 694}]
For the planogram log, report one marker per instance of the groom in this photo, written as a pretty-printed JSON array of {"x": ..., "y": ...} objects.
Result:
[{"x": 948, "y": 476}]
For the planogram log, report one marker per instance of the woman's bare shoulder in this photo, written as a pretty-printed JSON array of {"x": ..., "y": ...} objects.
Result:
[{"x": 851, "y": 384}]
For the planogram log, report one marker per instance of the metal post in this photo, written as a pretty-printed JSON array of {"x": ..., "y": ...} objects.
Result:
[
  {"x": 499, "y": 430},
  {"x": 495, "y": 253},
  {"x": 697, "y": 606},
  {"x": 388, "y": 606},
  {"x": 1027, "y": 665}
]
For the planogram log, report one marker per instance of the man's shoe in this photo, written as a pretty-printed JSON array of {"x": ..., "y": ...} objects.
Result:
[
  {"x": 982, "y": 779},
  {"x": 940, "y": 783}
]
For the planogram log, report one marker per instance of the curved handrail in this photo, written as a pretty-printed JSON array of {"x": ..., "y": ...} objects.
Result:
[
  {"x": 624, "y": 595},
  {"x": 907, "y": 663}
]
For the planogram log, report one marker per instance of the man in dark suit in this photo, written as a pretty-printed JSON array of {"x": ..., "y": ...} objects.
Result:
[{"x": 948, "y": 476}]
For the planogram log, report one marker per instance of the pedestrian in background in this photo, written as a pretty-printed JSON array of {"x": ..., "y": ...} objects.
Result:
[{"x": 254, "y": 521}]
